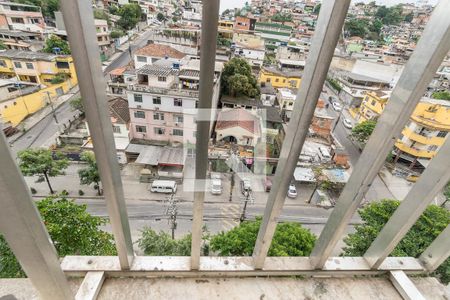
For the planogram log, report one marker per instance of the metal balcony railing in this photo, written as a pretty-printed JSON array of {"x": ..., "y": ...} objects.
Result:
[{"x": 25, "y": 233}]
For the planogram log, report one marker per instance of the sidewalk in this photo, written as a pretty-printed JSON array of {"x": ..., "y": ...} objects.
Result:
[{"x": 35, "y": 118}]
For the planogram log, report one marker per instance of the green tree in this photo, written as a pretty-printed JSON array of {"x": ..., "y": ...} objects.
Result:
[
  {"x": 53, "y": 43},
  {"x": 72, "y": 229},
  {"x": 442, "y": 95},
  {"x": 43, "y": 163},
  {"x": 409, "y": 17},
  {"x": 2, "y": 45},
  {"x": 102, "y": 15},
  {"x": 363, "y": 131},
  {"x": 160, "y": 17},
  {"x": 279, "y": 17},
  {"x": 130, "y": 15},
  {"x": 357, "y": 27},
  {"x": 160, "y": 243},
  {"x": 117, "y": 33},
  {"x": 316, "y": 9},
  {"x": 90, "y": 174},
  {"x": 432, "y": 222},
  {"x": 237, "y": 78},
  {"x": 290, "y": 239},
  {"x": 390, "y": 15},
  {"x": 77, "y": 103},
  {"x": 376, "y": 26}
]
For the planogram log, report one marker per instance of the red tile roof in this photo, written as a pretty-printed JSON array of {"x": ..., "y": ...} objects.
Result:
[
  {"x": 158, "y": 50},
  {"x": 238, "y": 118}
]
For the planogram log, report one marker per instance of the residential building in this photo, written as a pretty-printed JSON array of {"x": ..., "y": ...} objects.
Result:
[
  {"x": 238, "y": 126},
  {"x": 250, "y": 47},
  {"x": 103, "y": 37},
  {"x": 268, "y": 94},
  {"x": 21, "y": 40},
  {"x": 274, "y": 34},
  {"x": 153, "y": 52},
  {"x": 322, "y": 123},
  {"x": 286, "y": 100},
  {"x": 371, "y": 107},
  {"x": 119, "y": 79},
  {"x": 244, "y": 24},
  {"x": 163, "y": 102},
  {"x": 37, "y": 67},
  {"x": 291, "y": 57},
  {"x": 425, "y": 133},
  {"x": 22, "y": 17},
  {"x": 120, "y": 120},
  {"x": 280, "y": 79}
]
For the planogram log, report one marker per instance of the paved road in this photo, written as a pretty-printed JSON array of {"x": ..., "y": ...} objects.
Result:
[
  {"x": 45, "y": 130},
  {"x": 378, "y": 190}
]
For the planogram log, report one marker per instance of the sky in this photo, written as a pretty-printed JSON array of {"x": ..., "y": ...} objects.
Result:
[{"x": 225, "y": 4}]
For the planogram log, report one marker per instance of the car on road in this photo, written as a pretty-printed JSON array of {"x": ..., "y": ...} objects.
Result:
[
  {"x": 332, "y": 99},
  {"x": 292, "y": 191},
  {"x": 216, "y": 184},
  {"x": 245, "y": 186},
  {"x": 347, "y": 123},
  {"x": 336, "y": 106}
]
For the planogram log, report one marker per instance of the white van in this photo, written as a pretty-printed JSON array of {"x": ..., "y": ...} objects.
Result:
[
  {"x": 163, "y": 186},
  {"x": 216, "y": 186}
]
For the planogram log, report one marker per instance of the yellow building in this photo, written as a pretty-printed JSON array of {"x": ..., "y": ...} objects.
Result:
[
  {"x": 16, "y": 109},
  {"x": 425, "y": 134},
  {"x": 371, "y": 107},
  {"x": 37, "y": 67},
  {"x": 280, "y": 79},
  {"x": 226, "y": 29}
]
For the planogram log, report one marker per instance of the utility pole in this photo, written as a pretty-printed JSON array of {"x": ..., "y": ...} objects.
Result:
[
  {"x": 244, "y": 210},
  {"x": 51, "y": 105},
  {"x": 172, "y": 211},
  {"x": 19, "y": 86}
]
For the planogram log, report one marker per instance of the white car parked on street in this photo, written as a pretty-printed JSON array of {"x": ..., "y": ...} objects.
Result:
[
  {"x": 292, "y": 191},
  {"x": 347, "y": 123},
  {"x": 337, "y": 106}
]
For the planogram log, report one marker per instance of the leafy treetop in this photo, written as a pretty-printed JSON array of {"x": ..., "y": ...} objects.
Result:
[
  {"x": 73, "y": 232},
  {"x": 54, "y": 42},
  {"x": 130, "y": 15},
  {"x": 237, "y": 78},
  {"x": 375, "y": 215},
  {"x": 442, "y": 95},
  {"x": 363, "y": 131},
  {"x": 290, "y": 239}
]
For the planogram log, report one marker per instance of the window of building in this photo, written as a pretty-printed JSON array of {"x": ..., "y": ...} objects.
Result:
[
  {"x": 178, "y": 118},
  {"x": 141, "y": 59},
  {"x": 17, "y": 64},
  {"x": 284, "y": 80},
  {"x": 196, "y": 104},
  {"x": 158, "y": 116},
  {"x": 177, "y": 132},
  {"x": 35, "y": 21},
  {"x": 29, "y": 66},
  {"x": 162, "y": 78},
  {"x": 139, "y": 114},
  {"x": 141, "y": 129},
  {"x": 268, "y": 80},
  {"x": 138, "y": 98},
  {"x": 373, "y": 103},
  {"x": 116, "y": 129},
  {"x": 159, "y": 130},
  {"x": 293, "y": 83},
  {"x": 157, "y": 100},
  {"x": 18, "y": 20},
  {"x": 442, "y": 134},
  {"x": 2, "y": 63},
  {"x": 432, "y": 148},
  {"x": 277, "y": 79},
  {"x": 59, "y": 91},
  {"x": 178, "y": 102}
]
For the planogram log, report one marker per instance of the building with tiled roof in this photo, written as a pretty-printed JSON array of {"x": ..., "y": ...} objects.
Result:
[
  {"x": 149, "y": 54},
  {"x": 238, "y": 126}
]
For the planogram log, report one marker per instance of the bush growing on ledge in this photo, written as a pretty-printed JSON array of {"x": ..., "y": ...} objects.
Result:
[{"x": 334, "y": 84}]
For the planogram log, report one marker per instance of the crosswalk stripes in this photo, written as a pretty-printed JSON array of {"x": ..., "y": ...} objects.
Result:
[{"x": 230, "y": 216}]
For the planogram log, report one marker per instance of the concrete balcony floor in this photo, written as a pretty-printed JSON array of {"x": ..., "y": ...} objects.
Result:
[{"x": 239, "y": 288}]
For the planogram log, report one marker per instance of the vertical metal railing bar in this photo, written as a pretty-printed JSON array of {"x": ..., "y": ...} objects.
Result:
[
  {"x": 210, "y": 19},
  {"x": 437, "y": 252},
  {"x": 329, "y": 25},
  {"x": 79, "y": 21},
  {"x": 431, "y": 182},
  {"x": 23, "y": 229},
  {"x": 417, "y": 74}
]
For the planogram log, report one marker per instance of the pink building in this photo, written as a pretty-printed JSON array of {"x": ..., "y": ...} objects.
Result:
[
  {"x": 16, "y": 16},
  {"x": 163, "y": 102}
]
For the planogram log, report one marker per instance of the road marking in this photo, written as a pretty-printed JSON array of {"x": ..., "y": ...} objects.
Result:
[{"x": 230, "y": 216}]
